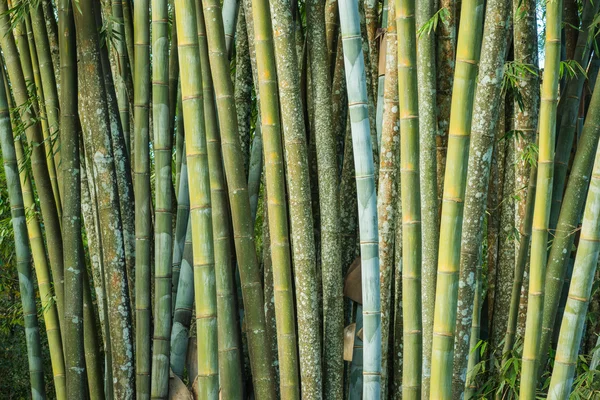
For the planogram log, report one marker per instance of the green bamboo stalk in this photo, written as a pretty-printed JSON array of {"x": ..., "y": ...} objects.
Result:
[
  {"x": 411, "y": 199},
  {"x": 32, "y": 333},
  {"x": 51, "y": 100},
  {"x": 486, "y": 109},
  {"x": 143, "y": 218},
  {"x": 230, "y": 364},
  {"x": 73, "y": 251},
  {"x": 129, "y": 37},
  {"x": 163, "y": 198},
  {"x": 38, "y": 157},
  {"x": 258, "y": 342},
  {"x": 367, "y": 199},
  {"x": 181, "y": 224},
  {"x": 52, "y": 30},
  {"x": 278, "y": 218},
  {"x": 97, "y": 136},
  {"x": 459, "y": 131},
  {"x": 541, "y": 214},
  {"x": 586, "y": 261},
  {"x": 298, "y": 185},
  {"x": 397, "y": 327},
  {"x": 326, "y": 149},
  {"x": 381, "y": 76},
  {"x": 182, "y": 315},
  {"x": 428, "y": 130},
  {"x": 388, "y": 191},
  {"x": 566, "y": 218},
  {"x": 189, "y": 14},
  {"x": 567, "y": 113}
]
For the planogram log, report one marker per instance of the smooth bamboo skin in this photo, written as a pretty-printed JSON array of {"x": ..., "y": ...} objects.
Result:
[
  {"x": 50, "y": 90},
  {"x": 32, "y": 332},
  {"x": 229, "y": 345},
  {"x": 277, "y": 209},
  {"x": 299, "y": 190},
  {"x": 541, "y": 213},
  {"x": 163, "y": 241},
  {"x": 366, "y": 196},
  {"x": 181, "y": 224},
  {"x": 38, "y": 157},
  {"x": 572, "y": 327},
  {"x": 230, "y": 15},
  {"x": 143, "y": 218},
  {"x": 567, "y": 115},
  {"x": 566, "y": 217},
  {"x": 444, "y": 323},
  {"x": 182, "y": 315},
  {"x": 331, "y": 251},
  {"x": 52, "y": 30},
  {"x": 73, "y": 247},
  {"x": 258, "y": 342},
  {"x": 428, "y": 130},
  {"x": 388, "y": 192},
  {"x": 381, "y": 78},
  {"x": 411, "y": 199},
  {"x": 486, "y": 110},
  {"x": 98, "y": 140}
]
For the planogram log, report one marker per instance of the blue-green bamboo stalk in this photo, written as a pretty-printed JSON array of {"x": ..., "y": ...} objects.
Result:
[{"x": 367, "y": 198}]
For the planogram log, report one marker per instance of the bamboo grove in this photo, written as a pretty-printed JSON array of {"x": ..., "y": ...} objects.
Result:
[{"x": 315, "y": 199}]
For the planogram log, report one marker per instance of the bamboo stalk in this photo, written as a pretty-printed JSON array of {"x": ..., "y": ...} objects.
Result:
[
  {"x": 143, "y": 221},
  {"x": 367, "y": 199},
  {"x": 388, "y": 192},
  {"x": 73, "y": 251},
  {"x": 428, "y": 131},
  {"x": 326, "y": 152},
  {"x": 459, "y": 131},
  {"x": 541, "y": 214}
]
